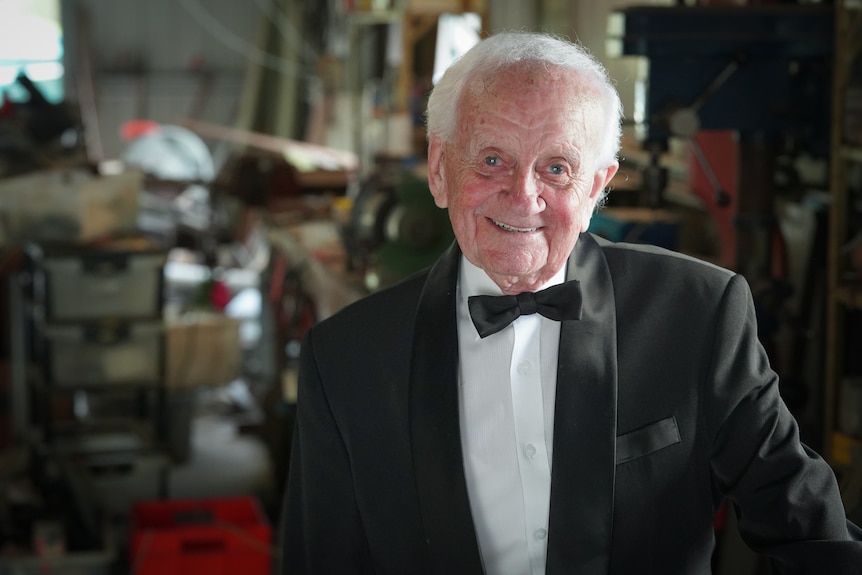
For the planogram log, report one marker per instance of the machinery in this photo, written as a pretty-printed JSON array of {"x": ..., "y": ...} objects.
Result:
[
  {"x": 760, "y": 71},
  {"x": 395, "y": 228}
]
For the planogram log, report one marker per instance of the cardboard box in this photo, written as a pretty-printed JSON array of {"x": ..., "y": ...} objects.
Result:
[
  {"x": 68, "y": 205},
  {"x": 203, "y": 349}
]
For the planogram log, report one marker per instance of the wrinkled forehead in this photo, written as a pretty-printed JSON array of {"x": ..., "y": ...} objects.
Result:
[
  {"x": 530, "y": 76},
  {"x": 570, "y": 95}
]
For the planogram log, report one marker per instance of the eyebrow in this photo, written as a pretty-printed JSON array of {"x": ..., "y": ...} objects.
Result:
[{"x": 480, "y": 142}]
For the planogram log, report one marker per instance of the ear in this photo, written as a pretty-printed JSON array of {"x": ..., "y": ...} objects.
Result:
[
  {"x": 602, "y": 178},
  {"x": 436, "y": 175}
]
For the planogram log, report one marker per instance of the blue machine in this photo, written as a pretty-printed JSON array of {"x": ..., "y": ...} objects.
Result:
[{"x": 763, "y": 71}]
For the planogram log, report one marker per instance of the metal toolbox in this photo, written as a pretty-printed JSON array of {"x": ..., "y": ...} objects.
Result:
[
  {"x": 91, "y": 283},
  {"x": 104, "y": 353}
]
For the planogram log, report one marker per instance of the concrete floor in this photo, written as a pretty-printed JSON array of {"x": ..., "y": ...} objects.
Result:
[{"x": 222, "y": 462}]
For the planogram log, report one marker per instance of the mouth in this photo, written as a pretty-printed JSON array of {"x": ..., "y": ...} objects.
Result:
[{"x": 508, "y": 228}]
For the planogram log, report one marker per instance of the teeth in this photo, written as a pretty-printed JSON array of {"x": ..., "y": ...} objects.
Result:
[{"x": 509, "y": 228}]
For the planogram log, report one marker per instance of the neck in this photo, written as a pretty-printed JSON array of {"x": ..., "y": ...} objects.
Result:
[{"x": 513, "y": 285}]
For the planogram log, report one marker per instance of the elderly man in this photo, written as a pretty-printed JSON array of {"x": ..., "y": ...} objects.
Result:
[{"x": 540, "y": 400}]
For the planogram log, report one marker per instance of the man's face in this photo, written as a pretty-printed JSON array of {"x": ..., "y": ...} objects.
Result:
[{"x": 520, "y": 178}]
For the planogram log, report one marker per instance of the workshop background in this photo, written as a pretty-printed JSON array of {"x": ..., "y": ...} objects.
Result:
[{"x": 186, "y": 186}]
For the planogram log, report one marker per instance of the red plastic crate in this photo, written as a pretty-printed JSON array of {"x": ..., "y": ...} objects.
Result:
[{"x": 200, "y": 536}]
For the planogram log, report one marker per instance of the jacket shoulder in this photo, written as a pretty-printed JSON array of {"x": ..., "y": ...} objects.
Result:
[
  {"x": 639, "y": 269},
  {"x": 626, "y": 254},
  {"x": 394, "y": 304}
]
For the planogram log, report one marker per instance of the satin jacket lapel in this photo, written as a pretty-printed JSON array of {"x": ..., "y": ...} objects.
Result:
[
  {"x": 435, "y": 427},
  {"x": 582, "y": 476}
]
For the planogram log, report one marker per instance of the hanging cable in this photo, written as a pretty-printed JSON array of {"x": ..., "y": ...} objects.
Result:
[
  {"x": 288, "y": 31},
  {"x": 237, "y": 43}
]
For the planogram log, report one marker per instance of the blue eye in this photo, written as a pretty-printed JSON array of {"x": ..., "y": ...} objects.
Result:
[
  {"x": 557, "y": 169},
  {"x": 492, "y": 160}
]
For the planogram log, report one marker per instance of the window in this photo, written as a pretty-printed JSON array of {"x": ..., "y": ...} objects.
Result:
[{"x": 31, "y": 42}]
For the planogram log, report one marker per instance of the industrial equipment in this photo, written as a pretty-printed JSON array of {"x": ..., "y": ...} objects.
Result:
[{"x": 760, "y": 71}]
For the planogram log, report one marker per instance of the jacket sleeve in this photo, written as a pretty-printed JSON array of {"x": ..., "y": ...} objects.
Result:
[
  {"x": 321, "y": 530},
  {"x": 787, "y": 498}
]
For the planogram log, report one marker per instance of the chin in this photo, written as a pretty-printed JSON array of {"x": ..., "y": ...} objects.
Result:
[{"x": 508, "y": 266}]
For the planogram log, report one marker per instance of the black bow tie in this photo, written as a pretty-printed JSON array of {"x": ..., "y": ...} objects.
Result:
[{"x": 492, "y": 313}]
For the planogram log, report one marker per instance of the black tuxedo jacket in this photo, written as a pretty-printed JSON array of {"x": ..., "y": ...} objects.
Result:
[{"x": 665, "y": 406}]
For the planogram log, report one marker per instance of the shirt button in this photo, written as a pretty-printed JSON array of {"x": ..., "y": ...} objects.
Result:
[
  {"x": 530, "y": 451},
  {"x": 540, "y": 533},
  {"x": 524, "y": 367}
]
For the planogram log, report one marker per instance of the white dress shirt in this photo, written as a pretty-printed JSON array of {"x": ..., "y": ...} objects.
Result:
[{"x": 507, "y": 383}]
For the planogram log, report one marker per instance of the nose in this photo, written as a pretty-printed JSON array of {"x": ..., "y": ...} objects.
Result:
[{"x": 525, "y": 192}]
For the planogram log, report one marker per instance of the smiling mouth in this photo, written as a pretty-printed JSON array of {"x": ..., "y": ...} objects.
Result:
[{"x": 509, "y": 228}]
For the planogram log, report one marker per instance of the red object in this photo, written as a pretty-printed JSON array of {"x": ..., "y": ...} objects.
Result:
[
  {"x": 722, "y": 151},
  {"x": 220, "y": 295},
  {"x": 7, "y": 108},
  {"x": 200, "y": 537},
  {"x": 137, "y": 128}
]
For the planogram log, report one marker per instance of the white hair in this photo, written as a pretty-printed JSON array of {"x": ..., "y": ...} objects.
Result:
[{"x": 506, "y": 48}]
